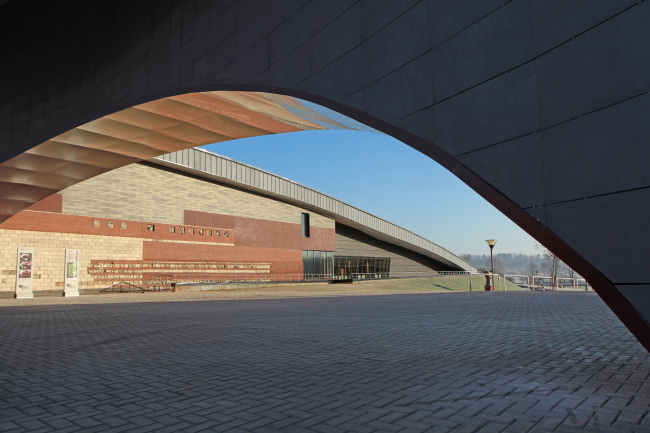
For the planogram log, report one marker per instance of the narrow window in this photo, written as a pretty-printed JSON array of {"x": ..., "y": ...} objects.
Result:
[
  {"x": 182, "y": 230},
  {"x": 209, "y": 232},
  {"x": 150, "y": 227},
  {"x": 172, "y": 229},
  {"x": 305, "y": 225},
  {"x": 191, "y": 231},
  {"x": 123, "y": 226},
  {"x": 217, "y": 233},
  {"x": 200, "y": 231},
  {"x": 110, "y": 224},
  {"x": 225, "y": 234}
]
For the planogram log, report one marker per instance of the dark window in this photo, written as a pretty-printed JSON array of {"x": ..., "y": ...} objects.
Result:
[
  {"x": 305, "y": 225},
  {"x": 360, "y": 267},
  {"x": 317, "y": 264},
  {"x": 172, "y": 229},
  {"x": 151, "y": 227}
]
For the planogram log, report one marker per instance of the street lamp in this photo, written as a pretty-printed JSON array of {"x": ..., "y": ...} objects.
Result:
[
  {"x": 491, "y": 243},
  {"x": 489, "y": 285}
]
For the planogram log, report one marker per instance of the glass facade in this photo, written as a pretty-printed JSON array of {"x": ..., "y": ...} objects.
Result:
[
  {"x": 317, "y": 263},
  {"x": 368, "y": 267}
]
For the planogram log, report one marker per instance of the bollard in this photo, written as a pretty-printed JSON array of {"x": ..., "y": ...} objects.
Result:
[{"x": 489, "y": 287}]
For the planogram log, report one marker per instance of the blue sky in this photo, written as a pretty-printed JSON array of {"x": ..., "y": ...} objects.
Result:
[{"x": 387, "y": 178}]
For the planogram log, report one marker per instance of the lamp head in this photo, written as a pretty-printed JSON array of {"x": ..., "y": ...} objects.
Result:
[{"x": 491, "y": 242}]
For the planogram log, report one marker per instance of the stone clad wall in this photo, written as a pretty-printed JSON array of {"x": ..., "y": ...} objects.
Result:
[
  {"x": 107, "y": 219},
  {"x": 140, "y": 192},
  {"x": 50, "y": 255}
]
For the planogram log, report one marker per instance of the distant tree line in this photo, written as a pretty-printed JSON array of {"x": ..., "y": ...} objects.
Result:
[{"x": 545, "y": 264}]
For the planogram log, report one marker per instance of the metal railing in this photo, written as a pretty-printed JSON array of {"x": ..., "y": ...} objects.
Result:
[
  {"x": 160, "y": 283},
  {"x": 519, "y": 276},
  {"x": 499, "y": 280},
  {"x": 378, "y": 275}
]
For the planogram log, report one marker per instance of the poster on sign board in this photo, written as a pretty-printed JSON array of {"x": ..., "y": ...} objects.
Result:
[
  {"x": 24, "y": 273},
  {"x": 71, "y": 273}
]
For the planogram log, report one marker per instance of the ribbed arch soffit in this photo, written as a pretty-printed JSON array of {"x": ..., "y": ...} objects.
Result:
[{"x": 145, "y": 131}]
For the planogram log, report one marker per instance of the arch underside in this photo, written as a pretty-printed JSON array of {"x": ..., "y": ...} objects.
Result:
[
  {"x": 142, "y": 132},
  {"x": 541, "y": 107}
]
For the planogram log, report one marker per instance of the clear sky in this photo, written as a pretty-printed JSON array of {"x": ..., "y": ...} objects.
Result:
[{"x": 387, "y": 178}]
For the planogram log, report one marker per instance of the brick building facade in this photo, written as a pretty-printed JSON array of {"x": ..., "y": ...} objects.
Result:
[{"x": 144, "y": 221}]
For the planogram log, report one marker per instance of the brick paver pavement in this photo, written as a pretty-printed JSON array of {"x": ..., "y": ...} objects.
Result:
[{"x": 453, "y": 362}]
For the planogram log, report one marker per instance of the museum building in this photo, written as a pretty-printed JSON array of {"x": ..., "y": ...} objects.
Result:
[{"x": 192, "y": 214}]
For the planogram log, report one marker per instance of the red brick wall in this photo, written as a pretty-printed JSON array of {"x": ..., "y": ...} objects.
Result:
[
  {"x": 209, "y": 219},
  {"x": 53, "y": 203},
  {"x": 276, "y": 245},
  {"x": 62, "y": 223},
  {"x": 252, "y": 232},
  {"x": 282, "y": 260}
]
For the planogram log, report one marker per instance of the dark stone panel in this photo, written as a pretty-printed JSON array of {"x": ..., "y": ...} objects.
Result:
[
  {"x": 604, "y": 66},
  {"x": 494, "y": 45},
  {"x": 555, "y": 22},
  {"x": 422, "y": 124},
  {"x": 601, "y": 153},
  {"x": 523, "y": 181},
  {"x": 539, "y": 213},
  {"x": 293, "y": 68},
  {"x": 449, "y": 17},
  {"x": 376, "y": 14},
  {"x": 402, "y": 92},
  {"x": 305, "y": 24},
  {"x": 611, "y": 232},
  {"x": 404, "y": 39},
  {"x": 639, "y": 296},
  {"x": 340, "y": 78},
  {"x": 501, "y": 109},
  {"x": 336, "y": 39}
]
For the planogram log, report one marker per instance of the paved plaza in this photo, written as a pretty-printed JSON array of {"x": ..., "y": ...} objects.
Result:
[{"x": 435, "y": 362}]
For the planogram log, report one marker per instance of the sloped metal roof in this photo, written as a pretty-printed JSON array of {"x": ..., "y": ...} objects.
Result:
[{"x": 203, "y": 163}]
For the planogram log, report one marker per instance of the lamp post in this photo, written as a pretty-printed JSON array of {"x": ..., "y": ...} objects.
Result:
[{"x": 489, "y": 287}]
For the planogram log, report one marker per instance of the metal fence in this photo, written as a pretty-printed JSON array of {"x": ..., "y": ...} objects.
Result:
[{"x": 166, "y": 282}]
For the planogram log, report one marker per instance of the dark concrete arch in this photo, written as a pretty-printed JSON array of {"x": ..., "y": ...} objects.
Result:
[{"x": 538, "y": 106}]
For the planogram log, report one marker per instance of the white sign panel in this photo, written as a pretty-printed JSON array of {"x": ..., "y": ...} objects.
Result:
[
  {"x": 71, "y": 283},
  {"x": 24, "y": 273}
]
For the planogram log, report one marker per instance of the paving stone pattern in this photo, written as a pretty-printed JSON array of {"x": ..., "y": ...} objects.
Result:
[{"x": 461, "y": 362}]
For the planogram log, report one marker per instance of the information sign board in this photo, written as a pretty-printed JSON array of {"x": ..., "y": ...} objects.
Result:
[
  {"x": 25, "y": 273},
  {"x": 71, "y": 282}
]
